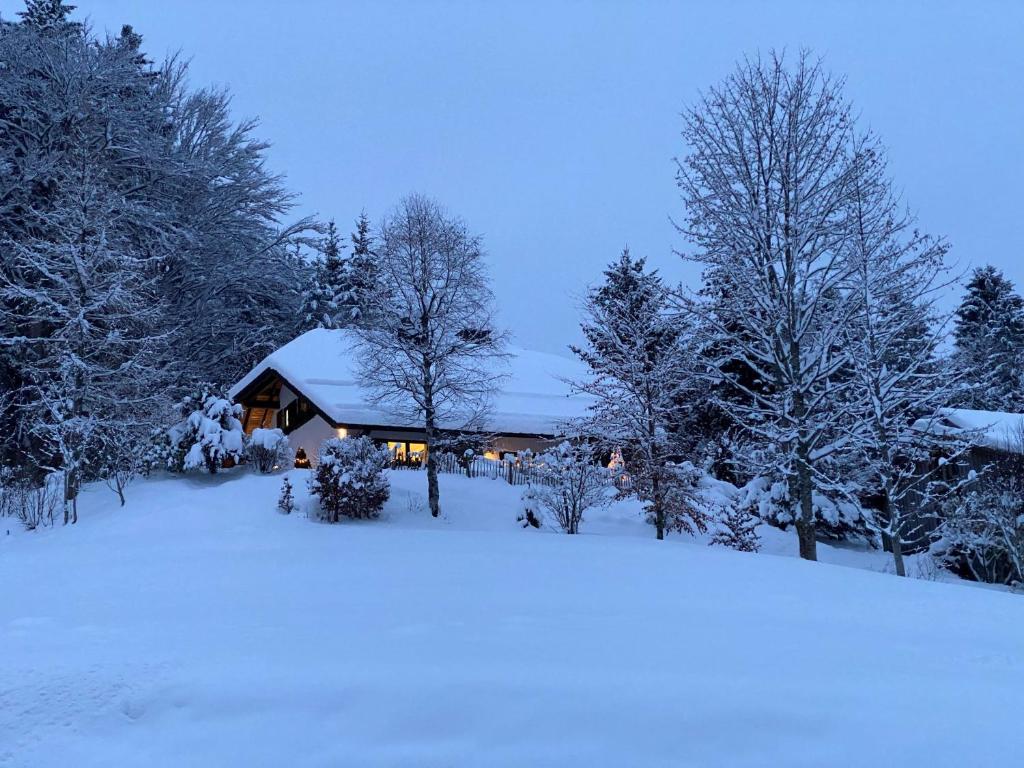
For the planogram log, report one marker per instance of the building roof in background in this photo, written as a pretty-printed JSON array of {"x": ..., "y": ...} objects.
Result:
[
  {"x": 997, "y": 430},
  {"x": 321, "y": 364}
]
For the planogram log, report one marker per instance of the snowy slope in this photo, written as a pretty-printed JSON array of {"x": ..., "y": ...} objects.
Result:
[{"x": 198, "y": 627}]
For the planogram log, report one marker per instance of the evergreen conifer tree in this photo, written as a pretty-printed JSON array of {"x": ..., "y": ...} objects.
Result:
[
  {"x": 640, "y": 374},
  {"x": 989, "y": 334},
  {"x": 363, "y": 297},
  {"x": 328, "y": 288},
  {"x": 48, "y": 16}
]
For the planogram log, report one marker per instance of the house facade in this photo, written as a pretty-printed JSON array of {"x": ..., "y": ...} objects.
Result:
[{"x": 309, "y": 388}]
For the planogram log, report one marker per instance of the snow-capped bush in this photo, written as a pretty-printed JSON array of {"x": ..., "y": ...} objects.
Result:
[
  {"x": 212, "y": 434},
  {"x": 571, "y": 482},
  {"x": 835, "y": 518},
  {"x": 349, "y": 479},
  {"x": 983, "y": 534},
  {"x": 268, "y": 450},
  {"x": 208, "y": 433},
  {"x": 530, "y": 516},
  {"x": 736, "y": 527},
  {"x": 686, "y": 509}
]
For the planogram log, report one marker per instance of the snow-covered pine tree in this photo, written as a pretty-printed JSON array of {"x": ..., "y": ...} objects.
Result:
[
  {"x": 899, "y": 384},
  {"x": 286, "y": 500},
  {"x": 362, "y": 305},
  {"x": 989, "y": 334},
  {"x": 436, "y": 355},
  {"x": 767, "y": 186},
  {"x": 326, "y": 297},
  {"x": 48, "y": 16},
  {"x": 640, "y": 375},
  {"x": 210, "y": 434}
]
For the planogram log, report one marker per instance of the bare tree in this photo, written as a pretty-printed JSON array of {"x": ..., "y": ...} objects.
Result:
[
  {"x": 572, "y": 482},
  {"x": 899, "y": 384},
  {"x": 436, "y": 354},
  {"x": 767, "y": 187}
]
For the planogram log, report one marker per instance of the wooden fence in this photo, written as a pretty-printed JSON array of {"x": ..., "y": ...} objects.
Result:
[{"x": 513, "y": 472}]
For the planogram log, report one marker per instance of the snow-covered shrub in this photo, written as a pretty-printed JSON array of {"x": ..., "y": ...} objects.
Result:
[
  {"x": 213, "y": 435},
  {"x": 685, "y": 507},
  {"x": 530, "y": 516},
  {"x": 8, "y": 492},
  {"x": 983, "y": 532},
  {"x": 349, "y": 478},
  {"x": 286, "y": 501},
  {"x": 736, "y": 527},
  {"x": 159, "y": 453},
  {"x": 571, "y": 482},
  {"x": 839, "y": 519},
  {"x": 268, "y": 450},
  {"x": 119, "y": 469},
  {"x": 207, "y": 434},
  {"x": 122, "y": 450}
]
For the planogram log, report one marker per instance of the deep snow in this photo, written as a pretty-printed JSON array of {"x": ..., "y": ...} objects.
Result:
[{"x": 199, "y": 627}]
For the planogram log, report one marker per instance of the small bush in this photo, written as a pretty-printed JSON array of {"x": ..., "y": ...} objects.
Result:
[
  {"x": 983, "y": 534},
  {"x": 735, "y": 527},
  {"x": 268, "y": 450},
  {"x": 34, "y": 507},
  {"x": 571, "y": 482},
  {"x": 349, "y": 479},
  {"x": 286, "y": 501},
  {"x": 530, "y": 516}
]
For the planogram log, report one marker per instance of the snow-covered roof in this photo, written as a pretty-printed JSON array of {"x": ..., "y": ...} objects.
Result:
[
  {"x": 321, "y": 363},
  {"x": 998, "y": 430}
]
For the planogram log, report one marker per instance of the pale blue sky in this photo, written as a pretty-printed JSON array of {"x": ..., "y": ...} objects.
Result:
[{"x": 551, "y": 127}]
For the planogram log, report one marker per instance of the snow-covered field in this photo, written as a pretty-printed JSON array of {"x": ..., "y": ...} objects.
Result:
[{"x": 198, "y": 627}]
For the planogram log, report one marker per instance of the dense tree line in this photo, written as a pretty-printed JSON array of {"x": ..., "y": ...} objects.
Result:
[
  {"x": 812, "y": 358},
  {"x": 142, "y": 243}
]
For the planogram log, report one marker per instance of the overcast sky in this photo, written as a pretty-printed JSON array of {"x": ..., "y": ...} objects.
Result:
[{"x": 551, "y": 128}]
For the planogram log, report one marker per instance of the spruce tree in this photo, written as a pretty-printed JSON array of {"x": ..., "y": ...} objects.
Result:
[
  {"x": 363, "y": 298},
  {"x": 322, "y": 305},
  {"x": 640, "y": 375},
  {"x": 48, "y": 16},
  {"x": 989, "y": 336}
]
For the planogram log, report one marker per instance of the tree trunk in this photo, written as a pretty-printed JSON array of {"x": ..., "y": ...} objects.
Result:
[
  {"x": 805, "y": 522},
  {"x": 895, "y": 523},
  {"x": 659, "y": 507},
  {"x": 433, "y": 492},
  {"x": 897, "y": 554}
]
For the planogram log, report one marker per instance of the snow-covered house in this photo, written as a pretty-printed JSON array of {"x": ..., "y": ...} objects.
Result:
[
  {"x": 309, "y": 388},
  {"x": 995, "y": 443},
  {"x": 991, "y": 434}
]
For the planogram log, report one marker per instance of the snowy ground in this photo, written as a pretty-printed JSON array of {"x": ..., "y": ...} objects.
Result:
[{"x": 198, "y": 627}]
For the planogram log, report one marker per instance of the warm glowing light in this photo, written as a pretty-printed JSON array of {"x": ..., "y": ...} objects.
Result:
[
  {"x": 492, "y": 455},
  {"x": 342, "y": 432}
]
